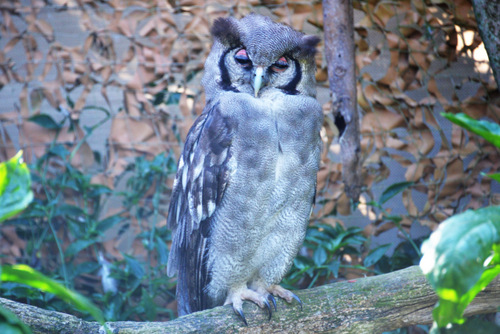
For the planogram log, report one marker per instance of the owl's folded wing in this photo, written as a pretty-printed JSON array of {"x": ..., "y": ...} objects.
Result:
[{"x": 203, "y": 172}]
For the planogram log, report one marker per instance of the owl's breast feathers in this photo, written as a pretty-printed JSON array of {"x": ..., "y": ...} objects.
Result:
[{"x": 244, "y": 160}]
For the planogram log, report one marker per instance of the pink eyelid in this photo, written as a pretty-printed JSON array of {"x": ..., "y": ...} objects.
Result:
[{"x": 242, "y": 52}]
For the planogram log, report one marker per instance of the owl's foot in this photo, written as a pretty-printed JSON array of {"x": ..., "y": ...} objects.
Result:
[
  {"x": 237, "y": 297},
  {"x": 281, "y": 292}
]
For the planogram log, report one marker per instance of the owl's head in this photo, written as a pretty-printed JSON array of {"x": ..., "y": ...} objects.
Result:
[{"x": 255, "y": 54}]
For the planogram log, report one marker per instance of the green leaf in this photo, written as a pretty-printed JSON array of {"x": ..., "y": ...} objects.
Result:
[
  {"x": 26, "y": 275},
  {"x": 77, "y": 246},
  {"x": 135, "y": 266},
  {"x": 334, "y": 267},
  {"x": 375, "y": 255},
  {"x": 148, "y": 304},
  {"x": 10, "y": 323},
  {"x": 486, "y": 129},
  {"x": 45, "y": 121},
  {"x": 59, "y": 150},
  {"x": 15, "y": 187},
  {"x": 319, "y": 256},
  {"x": 99, "y": 189},
  {"x": 393, "y": 190},
  {"x": 470, "y": 326},
  {"x": 494, "y": 176},
  {"x": 460, "y": 259},
  {"x": 69, "y": 210},
  {"x": 109, "y": 222}
]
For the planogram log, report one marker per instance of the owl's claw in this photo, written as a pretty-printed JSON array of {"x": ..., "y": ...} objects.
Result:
[
  {"x": 236, "y": 297},
  {"x": 287, "y": 295},
  {"x": 294, "y": 296},
  {"x": 268, "y": 308},
  {"x": 239, "y": 311},
  {"x": 271, "y": 298}
]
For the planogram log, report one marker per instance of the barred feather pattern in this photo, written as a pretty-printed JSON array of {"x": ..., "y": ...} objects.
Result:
[{"x": 202, "y": 175}]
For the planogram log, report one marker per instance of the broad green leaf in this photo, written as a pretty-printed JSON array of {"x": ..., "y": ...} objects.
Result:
[
  {"x": 45, "y": 121},
  {"x": 494, "y": 176},
  {"x": 319, "y": 256},
  {"x": 69, "y": 210},
  {"x": 15, "y": 187},
  {"x": 393, "y": 190},
  {"x": 59, "y": 150},
  {"x": 334, "y": 267},
  {"x": 486, "y": 129},
  {"x": 77, "y": 246},
  {"x": 461, "y": 258},
  {"x": 135, "y": 266},
  {"x": 108, "y": 222},
  {"x": 10, "y": 323},
  {"x": 26, "y": 275},
  {"x": 375, "y": 255},
  {"x": 470, "y": 326}
]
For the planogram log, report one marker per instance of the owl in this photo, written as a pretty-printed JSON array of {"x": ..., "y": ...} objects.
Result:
[{"x": 246, "y": 179}]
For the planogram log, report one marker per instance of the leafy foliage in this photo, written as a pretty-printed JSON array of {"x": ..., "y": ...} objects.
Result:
[
  {"x": 10, "y": 323},
  {"x": 460, "y": 259},
  {"x": 321, "y": 258},
  {"x": 26, "y": 275},
  {"x": 463, "y": 255},
  {"x": 15, "y": 187},
  {"x": 488, "y": 130},
  {"x": 66, "y": 225}
]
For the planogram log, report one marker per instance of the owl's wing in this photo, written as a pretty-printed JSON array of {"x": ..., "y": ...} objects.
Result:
[{"x": 202, "y": 175}]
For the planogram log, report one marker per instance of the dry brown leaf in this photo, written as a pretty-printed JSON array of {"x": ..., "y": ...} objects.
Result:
[{"x": 381, "y": 120}]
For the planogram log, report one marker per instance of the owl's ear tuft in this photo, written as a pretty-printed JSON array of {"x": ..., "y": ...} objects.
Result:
[
  {"x": 226, "y": 31},
  {"x": 308, "y": 45}
]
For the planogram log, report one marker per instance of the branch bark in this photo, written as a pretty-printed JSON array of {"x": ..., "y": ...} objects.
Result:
[
  {"x": 339, "y": 52},
  {"x": 487, "y": 14},
  {"x": 368, "y": 305}
]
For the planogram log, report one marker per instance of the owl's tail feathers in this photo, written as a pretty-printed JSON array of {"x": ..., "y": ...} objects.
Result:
[{"x": 193, "y": 277}]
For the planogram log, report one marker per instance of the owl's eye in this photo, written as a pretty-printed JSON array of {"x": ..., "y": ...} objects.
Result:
[
  {"x": 242, "y": 58},
  {"x": 280, "y": 65}
]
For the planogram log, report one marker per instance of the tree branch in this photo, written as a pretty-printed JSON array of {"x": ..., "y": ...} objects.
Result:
[
  {"x": 339, "y": 53},
  {"x": 488, "y": 17},
  {"x": 367, "y": 305}
]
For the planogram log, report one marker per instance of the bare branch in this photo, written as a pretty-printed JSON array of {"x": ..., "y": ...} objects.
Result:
[
  {"x": 339, "y": 52},
  {"x": 367, "y": 305},
  {"x": 488, "y": 20}
]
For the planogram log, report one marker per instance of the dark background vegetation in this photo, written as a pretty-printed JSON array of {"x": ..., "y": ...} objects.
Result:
[{"x": 100, "y": 96}]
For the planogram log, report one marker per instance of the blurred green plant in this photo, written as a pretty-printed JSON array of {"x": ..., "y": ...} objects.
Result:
[
  {"x": 69, "y": 207},
  {"x": 15, "y": 187},
  {"x": 15, "y": 196},
  {"x": 325, "y": 245},
  {"x": 387, "y": 194},
  {"x": 463, "y": 255},
  {"x": 321, "y": 257},
  {"x": 460, "y": 259}
]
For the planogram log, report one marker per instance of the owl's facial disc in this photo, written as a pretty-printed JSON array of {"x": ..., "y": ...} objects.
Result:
[{"x": 261, "y": 75}]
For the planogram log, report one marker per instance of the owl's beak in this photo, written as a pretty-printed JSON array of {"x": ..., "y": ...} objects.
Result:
[{"x": 258, "y": 80}]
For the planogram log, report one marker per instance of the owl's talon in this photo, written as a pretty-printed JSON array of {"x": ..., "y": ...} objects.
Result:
[
  {"x": 241, "y": 314},
  {"x": 271, "y": 298},
  {"x": 294, "y": 296},
  {"x": 268, "y": 308},
  {"x": 287, "y": 295}
]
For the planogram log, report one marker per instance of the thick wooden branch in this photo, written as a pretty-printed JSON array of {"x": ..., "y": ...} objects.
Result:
[
  {"x": 367, "y": 305},
  {"x": 488, "y": 20},
  {"x": 339, "y": 53}
]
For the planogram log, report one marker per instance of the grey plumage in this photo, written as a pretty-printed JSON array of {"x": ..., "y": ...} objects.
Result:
[{"x": 246, "y": 179}]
